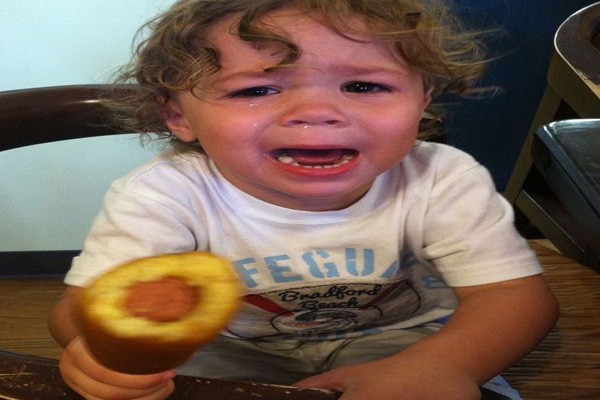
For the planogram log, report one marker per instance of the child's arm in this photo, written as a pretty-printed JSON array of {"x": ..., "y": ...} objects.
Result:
[
  {"x": 62, "y": 324},
  {"x": 90, "y": 379},
  {"x": 493, "y": 326}
]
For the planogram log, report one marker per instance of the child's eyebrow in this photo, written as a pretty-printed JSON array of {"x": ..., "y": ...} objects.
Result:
[
  {"x": 370, "y": 69},
  {"x": 258, "y": 74},
  {"x": 341, "y": 69}
]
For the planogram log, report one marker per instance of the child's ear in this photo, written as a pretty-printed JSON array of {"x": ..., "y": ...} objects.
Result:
[
  {"x": 177, "y": 122},
  {"x": 427, "y": 99}
]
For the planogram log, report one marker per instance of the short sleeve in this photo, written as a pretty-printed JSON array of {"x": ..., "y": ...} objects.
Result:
[
  {"x": 158, "y": 208},
  {"x": 469, "y": 231}
]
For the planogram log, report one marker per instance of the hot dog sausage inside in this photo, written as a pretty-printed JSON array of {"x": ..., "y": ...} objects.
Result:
[{"x": 165, "y": 300}]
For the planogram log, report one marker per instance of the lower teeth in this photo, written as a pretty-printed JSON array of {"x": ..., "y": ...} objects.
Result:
[{"x": 285, "y": 159}]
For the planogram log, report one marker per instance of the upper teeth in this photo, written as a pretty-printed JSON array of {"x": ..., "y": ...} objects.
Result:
[{"x": 285, "y": 159}]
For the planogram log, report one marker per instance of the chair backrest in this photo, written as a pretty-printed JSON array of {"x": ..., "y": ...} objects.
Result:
[
  {"x": 41, "y": 115},
  {"x": 577, "y": 41},
  {"x": 578, "y": 36}
]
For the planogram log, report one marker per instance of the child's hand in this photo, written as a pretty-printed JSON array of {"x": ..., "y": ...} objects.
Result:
[
  {"x": 389, "y": 379},
  {"x": 94, "y": 382}
]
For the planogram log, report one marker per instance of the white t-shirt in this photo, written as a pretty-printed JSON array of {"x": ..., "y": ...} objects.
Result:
[{"x": 432, "y": 222}]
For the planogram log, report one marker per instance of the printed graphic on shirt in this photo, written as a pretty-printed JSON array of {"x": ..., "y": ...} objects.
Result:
[
  {"x": 324, "y": 265},
  {"x": 326, "y": 308}
]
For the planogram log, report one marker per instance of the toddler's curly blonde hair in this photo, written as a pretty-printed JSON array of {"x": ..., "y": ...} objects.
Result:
[{"x": 175, "y": 56}]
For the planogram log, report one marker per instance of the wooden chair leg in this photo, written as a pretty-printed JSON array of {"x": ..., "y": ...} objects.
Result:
[{"x": 547, "y": 111}]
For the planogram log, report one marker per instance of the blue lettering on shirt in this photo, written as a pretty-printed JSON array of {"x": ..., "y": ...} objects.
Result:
[
  {"x": 246, "y": 274},
  {"x": 317, "y": 264},
  {"x": 368, "y": 262},
  {"x": 331, "y": 270},
  {"x": 280, "y": 272}
]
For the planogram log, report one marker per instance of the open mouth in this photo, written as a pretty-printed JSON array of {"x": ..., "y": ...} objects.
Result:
[{"x": 315, "y": 158}]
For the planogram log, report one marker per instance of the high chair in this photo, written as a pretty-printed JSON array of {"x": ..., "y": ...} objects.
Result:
[{"x": 573, "y": 91}]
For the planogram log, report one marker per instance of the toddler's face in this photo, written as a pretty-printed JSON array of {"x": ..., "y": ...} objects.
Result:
[{"x": 310, "y": 136}]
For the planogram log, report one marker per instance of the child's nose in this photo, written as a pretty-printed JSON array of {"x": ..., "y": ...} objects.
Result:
[{"x": 314, "y": 111}]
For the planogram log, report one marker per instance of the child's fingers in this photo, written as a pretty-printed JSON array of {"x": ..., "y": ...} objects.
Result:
[
  {"x": 85, "y": 362},
  {"x": 92, "y": 390},
  {"x": 93, "y": 381}
]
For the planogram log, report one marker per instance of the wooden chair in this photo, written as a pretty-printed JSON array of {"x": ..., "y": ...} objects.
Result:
[
  {"x": 41, "y": 115},
  {"x": 47, "y": 114},
  {"x": 573, "y": 91}
]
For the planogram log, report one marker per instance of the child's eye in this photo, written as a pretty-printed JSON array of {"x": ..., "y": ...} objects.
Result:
[
  {"x": 257, "y": 91},
  {"x": 364, "y": 87}
]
